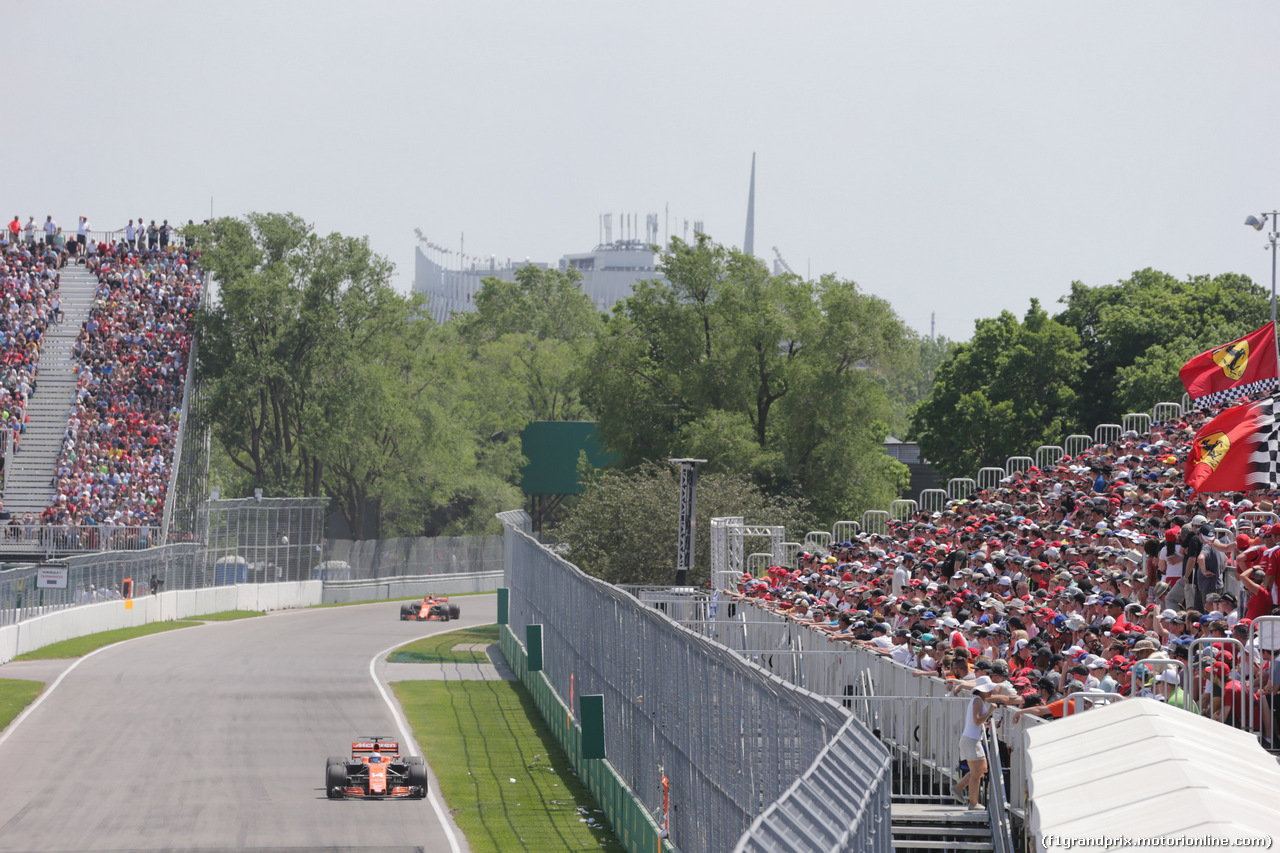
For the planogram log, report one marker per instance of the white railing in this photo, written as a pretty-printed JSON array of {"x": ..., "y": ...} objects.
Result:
[
  {"x": 50, "y": 539},
  {"x": 177, "y": 447}
]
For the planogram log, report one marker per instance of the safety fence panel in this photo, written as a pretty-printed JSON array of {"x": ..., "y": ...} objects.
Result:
[
  {"x": 845, "y": 531},
  {"x": 959, "y": 488},
  {"x": 1164, "y": 412},
  {"x": 1077, "y": 444},
  {"x": 758, "y": 563},
  {"x": 633, "y": 826},
  {"x": 1139, "y": 422},
  {"x": 902, "y": 509},
  {"x": 816, "y": 540},
  {"x": 1047, "y": 455},
  {"x": 875, "y": 521},
  {"x": 989, "y": 478},
  {"x": 1016, "y": 464},
  {"x": 1107, "y": 433},
  {"x": 933, "y": 500},
  {"x": 730, "y": 740},
  {"x": 805, "y": 657}
]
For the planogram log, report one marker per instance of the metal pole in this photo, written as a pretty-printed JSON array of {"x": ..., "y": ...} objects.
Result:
[
  {"x": 1275, "y": 224},
  {"x": 688, "y": 517}
]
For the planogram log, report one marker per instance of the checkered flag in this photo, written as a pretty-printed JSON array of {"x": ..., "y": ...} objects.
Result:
[{"x": 1232, "y": 395}]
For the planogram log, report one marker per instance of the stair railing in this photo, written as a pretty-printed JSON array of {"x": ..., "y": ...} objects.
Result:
[{"x": 997, "y": 805}]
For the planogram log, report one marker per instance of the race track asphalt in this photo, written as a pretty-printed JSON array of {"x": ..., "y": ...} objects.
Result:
[{"x": 215, "y": 738}]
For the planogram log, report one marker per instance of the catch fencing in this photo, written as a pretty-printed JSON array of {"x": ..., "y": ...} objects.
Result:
[
  {"x": 747, "y": 756},
  {"x": 250, "y": 541},
  {"x": 410, "y": 557},
  {"x": 911, "y": 712}
]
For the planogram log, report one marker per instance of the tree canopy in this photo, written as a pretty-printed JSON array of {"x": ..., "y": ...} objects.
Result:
[
  {"x": 761, "y": 375},
  {"x": 1005, "y": 392}
]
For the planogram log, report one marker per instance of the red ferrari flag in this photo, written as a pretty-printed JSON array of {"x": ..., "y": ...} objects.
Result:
[
  {"x": 1239, "y": 368},
  {"x": 1237, "y": 450}
]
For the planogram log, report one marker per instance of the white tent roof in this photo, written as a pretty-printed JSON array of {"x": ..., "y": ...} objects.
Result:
[{"x": 1142, "y": 769}]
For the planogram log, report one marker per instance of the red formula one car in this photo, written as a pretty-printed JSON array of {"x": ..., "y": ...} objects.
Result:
[
  {"x": 430, "y": 607},
  {"x": 376, "y": 770}
]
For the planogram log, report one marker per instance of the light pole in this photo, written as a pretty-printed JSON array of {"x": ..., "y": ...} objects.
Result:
[{"x": 1273, "y": 236}]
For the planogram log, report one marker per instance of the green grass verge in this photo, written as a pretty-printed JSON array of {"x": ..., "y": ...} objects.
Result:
[
  {"x": 79, "y": 646},
  {"x": 438, "y": 648},
  {"x": 499, "y": 768},
  {"x": 407, "y": 598},
  {"x": 16, "y": 694},
  {"x": 228, "y": 615}
]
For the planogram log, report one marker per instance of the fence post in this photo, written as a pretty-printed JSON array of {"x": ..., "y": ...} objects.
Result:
[
  {"x": 591, "y": 712},
  {"x": 533, "y": 646},
  {"x": 503, "y": 598}
]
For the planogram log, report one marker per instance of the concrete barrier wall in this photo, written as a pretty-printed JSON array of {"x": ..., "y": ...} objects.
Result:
[
  {"x": 342, "y": 592},
  {"x": 65, "y": 624}
]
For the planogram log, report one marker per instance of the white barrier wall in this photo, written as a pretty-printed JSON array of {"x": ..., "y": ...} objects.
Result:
[
  {"x": 167, "y": 606},
  {"x": 382, "y": 589}
]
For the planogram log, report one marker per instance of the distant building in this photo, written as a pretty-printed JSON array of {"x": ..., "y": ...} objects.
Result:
[{"x": 609, "y": 271}]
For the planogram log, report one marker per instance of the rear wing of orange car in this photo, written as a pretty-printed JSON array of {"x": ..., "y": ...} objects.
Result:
[{"x": 375, "y": 744}]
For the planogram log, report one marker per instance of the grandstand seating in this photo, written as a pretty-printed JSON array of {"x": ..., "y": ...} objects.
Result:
[
  {"x": 98, "y": 465},
  {"x": 1053, "y": 575}
]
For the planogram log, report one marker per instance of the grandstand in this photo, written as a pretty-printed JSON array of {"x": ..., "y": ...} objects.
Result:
[{"x": 100, "y": 409}]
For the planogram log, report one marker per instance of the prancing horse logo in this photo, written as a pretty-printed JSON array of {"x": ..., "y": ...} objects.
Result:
[
  {"x": 1213, "y": 448},
  {"x": 1233, "y": 359}
]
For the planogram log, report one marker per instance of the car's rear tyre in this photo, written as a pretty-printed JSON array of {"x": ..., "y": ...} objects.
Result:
[
  {"x": 455, "y": 611},
  {"x": 418, "y": 779},
  {"x": 406, "y": 611},
  {"x": 335, "y": 779}
]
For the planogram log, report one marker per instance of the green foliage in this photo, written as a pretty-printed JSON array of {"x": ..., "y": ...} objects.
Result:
[
  {"x": 1138, "y": 332},
  {"x": 761, "y": 375},
  {"x": 1005, "y": 392},
  {"x": 81, "y": 646},
  {"x": 909, "y": 380},
  {"x": 505, "y": 779},
  {"x": 15, "y": 695},
  {"x": 624, "y": 528},
  {"x": 439, "y": 648}
]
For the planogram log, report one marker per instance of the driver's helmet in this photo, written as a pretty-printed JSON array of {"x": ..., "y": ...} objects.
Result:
[{"x": 375, "y": 758}]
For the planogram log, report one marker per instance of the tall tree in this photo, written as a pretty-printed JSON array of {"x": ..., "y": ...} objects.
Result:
[
  {"x": 1006, "y": 391},
  {"x": 762, "y": 375},
  {"x": 1152, "y": 317}
]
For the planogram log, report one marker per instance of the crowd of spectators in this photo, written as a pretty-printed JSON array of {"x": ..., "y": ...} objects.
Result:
[
  {"x": 29, "y": 281},
  {"x": 1077, "y": 577},
  {"x": 132, "y": 354}
]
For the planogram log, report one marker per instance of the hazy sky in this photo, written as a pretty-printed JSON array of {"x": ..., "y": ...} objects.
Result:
[{"x": 956, "y": 158}]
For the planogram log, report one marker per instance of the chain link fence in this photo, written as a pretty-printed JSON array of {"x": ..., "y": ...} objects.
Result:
[
  {"x": 410, "y": 557},
  {"x": 242, "y": 541},
  {"x": 744, "y": 752}
]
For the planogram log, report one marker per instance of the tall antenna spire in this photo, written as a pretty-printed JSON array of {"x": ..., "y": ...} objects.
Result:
[{"x": 749, "y": 242}]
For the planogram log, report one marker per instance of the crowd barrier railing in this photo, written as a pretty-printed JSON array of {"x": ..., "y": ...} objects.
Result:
[
  {"x": 731, "y": 740},
  {"x": 49, "y": 540}
]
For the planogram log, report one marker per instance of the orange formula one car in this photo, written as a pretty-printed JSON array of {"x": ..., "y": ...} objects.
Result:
[
  {"x": 430, "y": 607},
  {"x": 376, "y": 770}
]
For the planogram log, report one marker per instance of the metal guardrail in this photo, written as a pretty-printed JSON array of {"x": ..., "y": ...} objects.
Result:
[
  {"x": 732, "y": 740},
  {"x": 51, "y": 540}
]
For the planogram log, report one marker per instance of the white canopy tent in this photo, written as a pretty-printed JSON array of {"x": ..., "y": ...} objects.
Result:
[{"x": 1141, "y": 769}]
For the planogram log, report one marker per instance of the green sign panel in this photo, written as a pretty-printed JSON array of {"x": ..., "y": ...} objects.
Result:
[{"x": 552, "y": 449}]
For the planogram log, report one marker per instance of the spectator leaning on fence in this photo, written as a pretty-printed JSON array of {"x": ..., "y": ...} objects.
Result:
[{"x": 1087, "y": 572}]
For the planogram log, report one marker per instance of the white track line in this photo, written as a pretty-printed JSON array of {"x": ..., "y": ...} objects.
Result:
[
  {"x": 406, "y": 736},
  {"x": 44, "y": 694}
]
